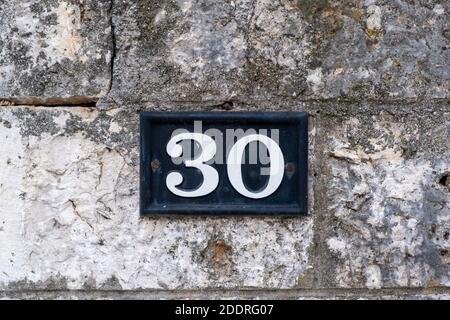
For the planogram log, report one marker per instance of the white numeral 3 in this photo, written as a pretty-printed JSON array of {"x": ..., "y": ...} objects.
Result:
[{"x": 210, "y": 175}]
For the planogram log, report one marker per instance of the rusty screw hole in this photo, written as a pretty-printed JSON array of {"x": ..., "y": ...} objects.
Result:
[
  {"x": 444, "y": 252},
  {"x": 290, "y": 168},
  {"x": 155, "y": 164}
]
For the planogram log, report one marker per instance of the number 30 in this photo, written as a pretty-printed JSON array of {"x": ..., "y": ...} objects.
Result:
[{"x": 234, "y": 163}]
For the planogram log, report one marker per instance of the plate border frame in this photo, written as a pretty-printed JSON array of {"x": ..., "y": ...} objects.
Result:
[{"x": 300, "y": 119}]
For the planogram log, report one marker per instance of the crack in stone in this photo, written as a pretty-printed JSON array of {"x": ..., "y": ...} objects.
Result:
[
  {"x": 75, "y": 211},
  {"x": 113, "y": 46},
  {"x": 248, "y": 32}
]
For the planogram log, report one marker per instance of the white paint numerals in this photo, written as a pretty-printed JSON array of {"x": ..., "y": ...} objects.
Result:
[
  {"x": 210, "y": 175},
  {"x": 234, "y": 165}
]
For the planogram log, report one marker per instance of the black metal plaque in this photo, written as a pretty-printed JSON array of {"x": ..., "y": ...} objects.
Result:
[{"x": 259, "y": 142}]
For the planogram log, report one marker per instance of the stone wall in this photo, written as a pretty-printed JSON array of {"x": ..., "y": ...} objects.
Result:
[{"x": 373, "y": 75}]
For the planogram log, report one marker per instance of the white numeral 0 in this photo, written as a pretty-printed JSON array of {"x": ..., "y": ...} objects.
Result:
[{"x": 234, "y": 165}]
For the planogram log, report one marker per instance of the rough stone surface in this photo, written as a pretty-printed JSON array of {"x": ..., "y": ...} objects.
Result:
[
  {"x": 280, "y": 50},
  {"x": 70, "y": 220},
  {"x": 55, "y": 49},
  {"x": 387, "y": 220},
  {"x": 379, "y": 216},
  {"x": 373, "y": 76},
  {"x": 381, "y": 49}
]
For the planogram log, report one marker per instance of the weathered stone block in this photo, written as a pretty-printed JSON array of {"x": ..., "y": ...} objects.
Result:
[
  {"x": 55, "y": 49},
  {"x": 208, "y": 50},
  {"x": 69, "y": 216},
  {"x": 180, "y": 50},
  {"x": 385, "y": 213},
  {"x": 257, "y": 50},
  {"x": 382, "y": 50},
  {"x": 379, "y": 219}
]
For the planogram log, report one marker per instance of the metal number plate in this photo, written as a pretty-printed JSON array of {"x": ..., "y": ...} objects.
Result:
[{"x": 212, "y": 163}]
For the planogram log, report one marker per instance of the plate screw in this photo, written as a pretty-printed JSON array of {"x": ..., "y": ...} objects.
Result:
[
  {"x": 290, "y": 169},
  {"x": 155, "y": 164}
]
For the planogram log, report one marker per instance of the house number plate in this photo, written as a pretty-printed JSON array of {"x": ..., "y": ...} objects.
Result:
[{"x": 214, "y": 163}]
